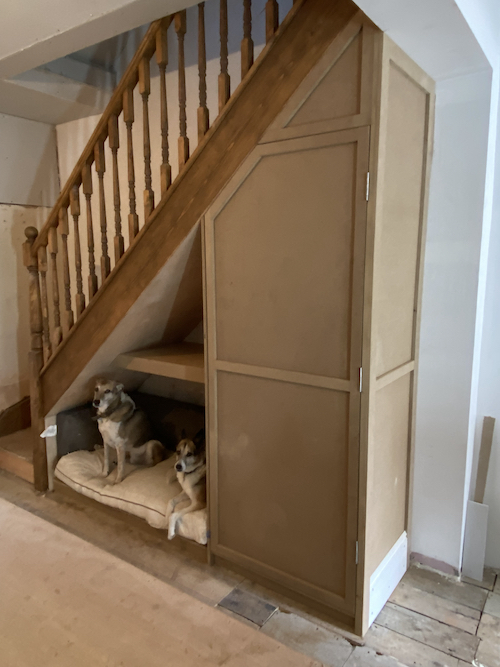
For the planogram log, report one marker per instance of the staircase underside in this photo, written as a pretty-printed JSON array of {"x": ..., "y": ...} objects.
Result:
[{"x": 300, "y": 42}]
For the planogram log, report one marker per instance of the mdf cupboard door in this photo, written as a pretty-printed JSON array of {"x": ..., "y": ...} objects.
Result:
[{"x": 284, "y": 267}]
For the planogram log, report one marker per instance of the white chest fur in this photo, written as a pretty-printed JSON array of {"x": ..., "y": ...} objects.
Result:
[{"x": 109, "y": 431}]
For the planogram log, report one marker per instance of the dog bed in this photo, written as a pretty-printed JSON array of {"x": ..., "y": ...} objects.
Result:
[{"x": 144, "y": 492}]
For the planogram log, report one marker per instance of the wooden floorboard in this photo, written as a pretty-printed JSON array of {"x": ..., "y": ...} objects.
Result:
[
  {"x": 437, "y": 584},
  {"x": 488, "y": 581},
  {"x": 488, "y": 653},
  {"x": 415, "y": 629},
  {"x": 441, "y": 609},
  {"x": 428, "y": 631},
  {"x": 408, "y": 651},
  {"x": 363, "y": 656}
]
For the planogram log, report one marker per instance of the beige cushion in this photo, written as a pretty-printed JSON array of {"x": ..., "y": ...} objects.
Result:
[{"x": 144, "y": 492}]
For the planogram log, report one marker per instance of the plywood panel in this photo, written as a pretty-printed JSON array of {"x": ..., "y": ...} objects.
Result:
[
  {"x": 387, "y": 470},
  {"x": 284, "y": 256},
  {"x": 398, "y": 225},
  {"x": 338, "y": 94},
  {"x": 282, "y": 460}
]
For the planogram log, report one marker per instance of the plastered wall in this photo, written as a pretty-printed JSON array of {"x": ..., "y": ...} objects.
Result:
[{"x": 28, "y": 184}]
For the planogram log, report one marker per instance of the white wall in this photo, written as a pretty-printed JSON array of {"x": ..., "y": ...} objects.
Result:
[
  {"x": 489, "y": 379},
  {"x": 458, "y": 44},
  {"x": 451, "y": 273},
  {"x": 14, "y": 303},
  {"x": 28, "y": 183},
  {"x": 28, "y": 162}
]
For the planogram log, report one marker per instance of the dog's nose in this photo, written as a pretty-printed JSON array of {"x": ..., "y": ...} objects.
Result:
[
  {"x": 178, "y": 467},
  {"x": 96, "y": 403}
]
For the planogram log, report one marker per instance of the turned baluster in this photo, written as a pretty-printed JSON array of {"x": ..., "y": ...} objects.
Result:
[
  {"x": 36, "y": 362},
  {"x": 224, "y": 80},
  {"x": 162, "y": 60},
  {"x": 203, "y": 117},
  {"x": 57, "y": 333},
  {"x": 128, "y": 117},
  {"x": 247, "y": 41},
  {"x": 42, "y": 269},
  {"x": 87, "y": 191},
  {"x": 180, "y": 29},
  {"x": 272, "y": 19},
  {"x": 100, "y": 168},
  {"x": 145, "y": 90},
  {"x": 74, "y": 202},
  {"x": 63, "y": 228},
  {"x": 114, "y": 144}
]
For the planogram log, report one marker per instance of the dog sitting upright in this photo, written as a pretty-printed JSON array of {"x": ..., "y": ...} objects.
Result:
[
  {"x": 191, "y": 470},
  {"x": 124, "y": 428}
]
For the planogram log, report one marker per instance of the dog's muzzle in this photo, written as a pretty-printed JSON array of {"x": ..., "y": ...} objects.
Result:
[
  {"x": 178, "y": 467},
  {"x": 96, "y": 404}
]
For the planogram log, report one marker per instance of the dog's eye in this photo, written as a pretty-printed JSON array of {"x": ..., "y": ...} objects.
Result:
[{"x": 107, "y": 391}]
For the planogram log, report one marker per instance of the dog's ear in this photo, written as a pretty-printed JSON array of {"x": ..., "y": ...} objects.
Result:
[
  {"x": 183, "y": 434},
  {"x": 119, "y": 387},
  {"x": 199, "y": 438}
]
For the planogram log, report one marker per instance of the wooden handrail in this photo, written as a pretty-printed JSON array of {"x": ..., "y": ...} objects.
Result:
[{"x": 130, "y": 78}]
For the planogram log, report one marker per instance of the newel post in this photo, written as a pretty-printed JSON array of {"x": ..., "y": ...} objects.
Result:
[{"x": 36, "y": 361}]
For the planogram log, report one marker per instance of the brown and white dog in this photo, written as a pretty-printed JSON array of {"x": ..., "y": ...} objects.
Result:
[
  {"x": 191, "y": 470},
  {"x": 124, "y": 428}
]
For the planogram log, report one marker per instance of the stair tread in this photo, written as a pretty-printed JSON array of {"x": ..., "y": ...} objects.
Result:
[
  {"x": 183, "y": 361},
  {"x": 16, "y": 454},
  {"x": 19, "y": 443}
]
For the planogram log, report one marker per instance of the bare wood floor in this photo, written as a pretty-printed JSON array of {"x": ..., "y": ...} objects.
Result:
[{"x": 430, "y": 620}]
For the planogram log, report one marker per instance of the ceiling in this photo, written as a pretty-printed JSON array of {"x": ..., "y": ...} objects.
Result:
[{"x": 44, "y": 77}]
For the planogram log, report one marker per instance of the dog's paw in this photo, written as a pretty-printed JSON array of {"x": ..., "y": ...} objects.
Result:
[{"x": 172, "y": 524}]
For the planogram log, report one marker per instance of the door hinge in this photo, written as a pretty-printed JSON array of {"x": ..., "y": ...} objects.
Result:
[
  {"x": 360, "y": 380},
  {"x": 367, "y": 185},
  {"x": 357, "y": 553}
]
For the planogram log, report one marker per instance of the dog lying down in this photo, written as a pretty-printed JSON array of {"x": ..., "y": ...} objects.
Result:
[
  {"x": 191, "y": 473},
  {"x": 124, "y": 428}
]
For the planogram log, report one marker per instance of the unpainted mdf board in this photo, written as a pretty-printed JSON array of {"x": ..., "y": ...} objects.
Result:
[
  {"x": 337, "y": 93},
  {"x": 283, "y": 496},
  {"x": 387, "y": 470},
  {"x": 397, "y": 241},
  {"x": 285, "y": 244}
]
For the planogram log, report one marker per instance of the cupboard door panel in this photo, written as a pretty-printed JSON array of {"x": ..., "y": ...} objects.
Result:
[
  {"x": 282, "y": 473},
  {"x": 284, "y": 268}
]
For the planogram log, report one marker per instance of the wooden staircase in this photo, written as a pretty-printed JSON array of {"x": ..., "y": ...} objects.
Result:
[{"x": 65, "y": 338}]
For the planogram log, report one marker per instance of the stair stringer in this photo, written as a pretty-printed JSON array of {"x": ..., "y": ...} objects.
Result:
[{"x": 300, "y": 42}]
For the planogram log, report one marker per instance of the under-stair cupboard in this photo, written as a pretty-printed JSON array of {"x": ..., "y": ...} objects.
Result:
[{"x": 296, "y": 230}]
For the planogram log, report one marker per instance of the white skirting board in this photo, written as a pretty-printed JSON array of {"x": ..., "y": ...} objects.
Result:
[{"x": 387, "y": 576}]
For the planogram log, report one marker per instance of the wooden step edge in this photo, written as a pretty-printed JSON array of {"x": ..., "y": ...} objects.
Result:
[
  {"x": 17, "y": 465},
  {"x": 16, "y": 417}
]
